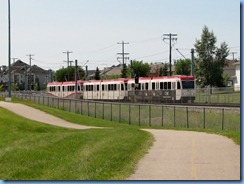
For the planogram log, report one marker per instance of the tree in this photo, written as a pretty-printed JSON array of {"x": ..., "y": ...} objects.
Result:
[
  {"x": 165, "y": 70},
  {"x": 211, "y": 60},
  {"x": 183, "y": 67},
  {"x": 140, "y": 68},
  {"x": 125, "y": 71},
  {"x": 97, "y": 74},
  {"x": 68, "y": 74}
]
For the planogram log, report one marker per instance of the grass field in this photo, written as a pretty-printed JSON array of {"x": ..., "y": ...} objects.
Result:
[{"x": 35, "y": 151}]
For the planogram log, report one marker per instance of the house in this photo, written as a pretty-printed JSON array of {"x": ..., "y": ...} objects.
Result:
[
  {"x": 237, "y": 81},
  {"x": 230, "y": 71},
  {"x": 25, "y": 77}
]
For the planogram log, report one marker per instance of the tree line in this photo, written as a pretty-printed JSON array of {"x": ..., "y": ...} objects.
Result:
[{"x": 209, "y": 64}]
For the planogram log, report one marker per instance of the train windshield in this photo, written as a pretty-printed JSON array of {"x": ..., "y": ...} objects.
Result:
[{"x": 188, "y": 85}]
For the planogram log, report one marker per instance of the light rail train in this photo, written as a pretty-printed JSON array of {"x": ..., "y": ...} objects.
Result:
[{"x": 177, "y": 88}]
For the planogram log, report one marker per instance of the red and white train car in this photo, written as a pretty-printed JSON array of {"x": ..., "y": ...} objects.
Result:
[
  {"x": 114, "y": 89},
  {"x": 167, "y": 88},
  {"x": 170, "y": 88},
  {"x": 65, "y": 89}
]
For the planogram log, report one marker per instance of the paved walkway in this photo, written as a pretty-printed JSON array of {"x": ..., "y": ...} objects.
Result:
[
  {"x": 175, "y": 155},
  {"x": 37, "y": 115}
]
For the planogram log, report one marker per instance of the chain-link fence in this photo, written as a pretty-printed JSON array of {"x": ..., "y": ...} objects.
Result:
[{"x": 150, "y": 115}]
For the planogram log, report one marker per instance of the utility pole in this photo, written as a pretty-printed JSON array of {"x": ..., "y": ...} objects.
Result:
[
  {"x": 170, "y": 37},
  {"x": 30, "y": 58},
  {"x": 192, "y": 62},
  {"x": 76, "y": 79},
  {"x": 123, "y": 53},
  {"x": 68, "y": 61},
  {"x": 9, "y": 52},
  {"x": 233, "y": 53}
]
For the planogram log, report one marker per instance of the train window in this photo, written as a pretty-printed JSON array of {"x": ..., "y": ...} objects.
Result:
[
  {"x": 153, "y": 86},
  {"x": 178, "y": 85},
  {"x": 161, "y": 85},
  {"x": 122, "y": 87},
  {"x": 132, "y": 85},
  {"x": 59, "y": 88},
  {"x": 146, "y": 87},
  {"x": 103, "y": 87},
  {"x": 126, "y": 86},
  {"x": 169, "y": 85},
  {"x": 165, "y": 85},
  {"x": 188, "y": 84},
  {"x": 97, "y": 87},
  {"x": 115, "y": 87}
]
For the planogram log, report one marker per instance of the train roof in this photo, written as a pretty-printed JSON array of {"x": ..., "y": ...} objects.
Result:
[
  {"x": 64, "y": 83},
  {"x": 106, "y": 81},
  {"x": 181, "y": 77}
]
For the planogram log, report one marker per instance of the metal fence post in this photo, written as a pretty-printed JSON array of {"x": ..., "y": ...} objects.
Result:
[
  {"x": 162, "y": 115},
  {"x": 120, "y": 113},
  {"x": 69, "y": 105},
  {"x": 103, "y": 110},
  {"x": 81, "y": 112},
  {"x": 149, "y": 115},
  {"x": 111, "y": 113},
  {"x": 95, "y": 110},
  {"x": 139, "y": 115},
  {"x": 204, "y": 123},
  {"x": 174, "y": 116},
  {"x": 88, "y": 108},
  {"x": 187, "y": 120},
  {"x": 222, "y": 119},
  {"x": 129, "y": 114}
]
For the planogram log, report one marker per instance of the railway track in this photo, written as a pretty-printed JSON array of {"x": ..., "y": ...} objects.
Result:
[{"x": 219, "y": 105}]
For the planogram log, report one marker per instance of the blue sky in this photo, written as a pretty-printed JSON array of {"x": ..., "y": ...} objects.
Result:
[{"x": 92, "y": 29}]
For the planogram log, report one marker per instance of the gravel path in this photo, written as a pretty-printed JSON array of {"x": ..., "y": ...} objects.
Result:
[{"x": 175, "y": 155}]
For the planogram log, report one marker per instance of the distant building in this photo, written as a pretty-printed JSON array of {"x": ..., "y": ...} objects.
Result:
[
  {"x": 25, "y": 77},
  {"x": 230, "y": 71},
  {"x": 237, "y": 81}
]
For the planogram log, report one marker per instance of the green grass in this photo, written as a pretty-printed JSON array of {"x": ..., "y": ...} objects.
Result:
[
  {"x": 35, "y": 151},
  {"x": 221, "y": 97},
  {"x": 212, "y": 125}
]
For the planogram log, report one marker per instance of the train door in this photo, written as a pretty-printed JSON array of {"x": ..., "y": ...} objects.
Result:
[{"x": 178, "y": 90}]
